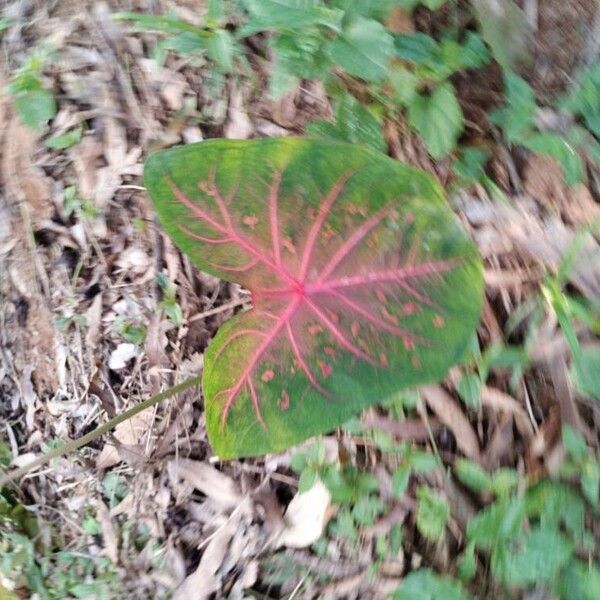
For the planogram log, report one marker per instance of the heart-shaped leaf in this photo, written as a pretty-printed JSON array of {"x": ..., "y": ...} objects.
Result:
[{"x": 362, "y": 280}]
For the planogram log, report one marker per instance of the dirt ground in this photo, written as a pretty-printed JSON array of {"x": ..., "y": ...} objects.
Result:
[{"x": 72, "y": 281}]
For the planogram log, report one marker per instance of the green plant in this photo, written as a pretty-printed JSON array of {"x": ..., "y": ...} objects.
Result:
[
  {"x": 353, "y": 123},
  {"x": 534, "y": 537},
  {"x": 74, "y": 205},
  {"x": 212, "y": 39},
  {"x": 32, "y": 101},
  {"x": 36, "y": 563},
  {"x": 311, "y": 227},
  {"x": 169, "y": 302},
  {"x": 520, "y": 124},
  {"x": 581, "y": 464},
  {"x": 65, "y": 140},
  {"x": 312, "y": 37},
  {"x": 424, "y": 584},
  {"x": 571, "y": 311},
  {"x": 422, "y": 84}
]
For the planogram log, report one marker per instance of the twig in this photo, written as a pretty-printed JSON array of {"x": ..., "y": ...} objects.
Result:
[{"x": 70, "y": 447}]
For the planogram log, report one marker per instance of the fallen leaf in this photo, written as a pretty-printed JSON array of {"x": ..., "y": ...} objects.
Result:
[
  {"x": 203, "y": 581},
  {"x": 208, "y": 480},
  {"x": 238, "y": 126},
  {"x": 121, "y": 355},
  {"x": 111, "y": 545},
  {"x": 93, "y": 318},
  {"x": 451, "y": 415},
  {"x": 306, "y": 517},
  {"x": 499, "y": 401}
]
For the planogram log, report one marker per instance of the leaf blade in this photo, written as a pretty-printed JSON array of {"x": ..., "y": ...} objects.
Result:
[{"x": 347, "y": 301}]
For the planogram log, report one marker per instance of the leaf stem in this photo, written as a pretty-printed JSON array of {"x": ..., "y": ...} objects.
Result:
[{"x": 70, "y": 447}]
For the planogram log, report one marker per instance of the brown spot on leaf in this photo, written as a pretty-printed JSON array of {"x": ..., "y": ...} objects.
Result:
[
  {"x": 383, "y": 360},
  {"x": 330, "y": 351},
  {"x": 327, "y": 233},
  {"x": 325, "y": 368},
  {"x": 314, "y": 329},
  {"x": 380, "y": 296},
  {"x": 287, "y": 244},
  {"x": 388, "y": 316},
  {"x": 438, "y": 321},
  {"x": 415, "y": 362},
  {"x": 250, "y": 220},
  {"x": 284, "y": 401},
  {"x": 409, "y": 308},
  {"x": 268, "y": 375},
  {"x": 355, "y": 328},
  {"x": 408, "y": 343},
  {"x": 334, "y": 317}
]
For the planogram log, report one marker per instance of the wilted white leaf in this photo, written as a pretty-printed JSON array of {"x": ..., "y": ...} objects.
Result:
[
  {"x": 306, "y": 517},
  {"x": 121, "y": 355}
]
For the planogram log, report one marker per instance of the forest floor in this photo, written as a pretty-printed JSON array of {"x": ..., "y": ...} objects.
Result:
[{"x": 86, "y": 331}]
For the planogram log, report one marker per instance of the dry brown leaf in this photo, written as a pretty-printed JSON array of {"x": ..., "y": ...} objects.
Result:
[
  {"x": 501, "y": 447},
  {"x": 129, "y": 433},
  {"x": 28, "y": 395},
  {"x": 23, "y": 179},
  {"x": 111, "y": 544},
  {"x": 84, "y": 157},
  {"x": 238, "y": 125},
  {"x": 451, "y": 415},
  {"x": 208, "y": 480},
  {"x": 543, "y": 179},
  {"x": 399, "y": 21},
  {"x": 499, "y": 401},
  {"x": 108, "y": 457},
  {"x": 203, "y": 581},
  {"x": 93, "y": 318}
]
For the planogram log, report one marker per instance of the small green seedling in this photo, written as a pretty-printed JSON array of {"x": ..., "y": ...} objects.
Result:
[
  {"x": 363, "y": 282},
  {"x": 32, "y": 101},
  {"x": 211, "y": 39}
]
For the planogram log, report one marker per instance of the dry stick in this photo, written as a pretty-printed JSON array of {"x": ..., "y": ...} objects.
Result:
[{"x": 70, "y": 447}]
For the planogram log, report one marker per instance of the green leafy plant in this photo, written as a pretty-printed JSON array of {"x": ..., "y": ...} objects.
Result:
[
  {"x": 65, "y": 140},
  {"x": 422, "y": 84},
  {"x": 312, "y": 37},
  {"x": 354, "y": 123},
  {"x": 532, "y": 538},
  {"x": 32, "y": 101},
  {"x": 169, "y": 302},
  {"x": 212, "y": 39},
  {"x": 74, "y": 205},
  {"x": 130, "y": 330},
  {"x": 424, "y": 584},
  {"x": 572, "y": 311},
  {"x": 362, "y": 281},
  {"x": 520, "y": 124}
]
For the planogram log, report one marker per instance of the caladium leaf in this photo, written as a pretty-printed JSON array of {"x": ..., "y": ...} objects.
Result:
[{"x": 362, "y": 280}]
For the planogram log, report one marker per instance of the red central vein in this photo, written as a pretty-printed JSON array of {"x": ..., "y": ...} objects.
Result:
[
  {"x": 324, "y": 210},
  {"x": 393, "y": 275},
  {"x": 352, "y": 242},
  {"x": 287, "y": 314},
  {"x": 230, "y": 231}
]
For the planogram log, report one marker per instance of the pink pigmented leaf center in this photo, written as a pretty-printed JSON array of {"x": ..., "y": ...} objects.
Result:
[{"x": 304, "y": 295}]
